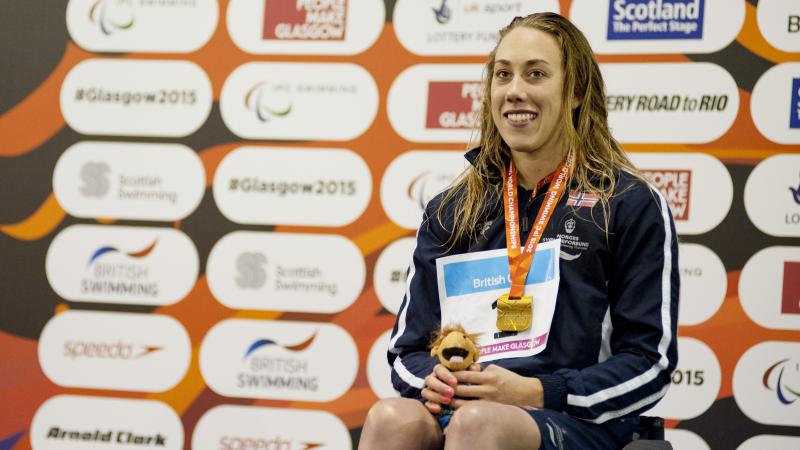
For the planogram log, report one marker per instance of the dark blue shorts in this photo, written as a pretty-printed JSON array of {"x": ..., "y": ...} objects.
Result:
[{"x": 562, "y": 432}]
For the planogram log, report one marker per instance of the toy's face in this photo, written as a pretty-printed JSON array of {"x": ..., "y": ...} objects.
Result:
[{"x": 456, "y": 351}]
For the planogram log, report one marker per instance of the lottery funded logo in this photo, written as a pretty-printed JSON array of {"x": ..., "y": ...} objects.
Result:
[
  {"x": 324, "y": 20},
  {"x": 453, "y": 104},
  {"x": 776, "y": 179},
  {"x": 675, "y": 185},
  {"x": 655, "y": 19},
  {"x": 229, "y": 427},
  {"x": 105, "y": 422},
  {"x": 458, "y": 27},
  {"x": 263, "y": 271},
  {"x": 278, "y": 360}
]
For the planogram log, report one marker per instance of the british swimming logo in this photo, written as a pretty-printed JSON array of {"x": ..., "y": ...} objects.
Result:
[{"x": 655, "y": 19}]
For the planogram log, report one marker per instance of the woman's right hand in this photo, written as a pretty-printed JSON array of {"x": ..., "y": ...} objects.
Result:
[{"x": 439, "y": 388}]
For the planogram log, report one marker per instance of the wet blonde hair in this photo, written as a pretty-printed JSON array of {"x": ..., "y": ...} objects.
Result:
[{"x": 584, "y": 129}]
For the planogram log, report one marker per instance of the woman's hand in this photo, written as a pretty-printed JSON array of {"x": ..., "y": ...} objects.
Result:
[
  {"x": 498, "y": 385},
  {"x": 439, "y": 388}
]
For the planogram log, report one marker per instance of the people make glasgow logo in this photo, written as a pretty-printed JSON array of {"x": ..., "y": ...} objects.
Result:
[
  {"x": 783, "y": 377},
  {"x": 453, "y": 104},
  {"x": 110, "y": 21},
  {"x": 790, "y": 296},
  {"x": 655, "y": 19},
  {"x": 675, "y": 185},
  {"x": 305, "y": 20}
]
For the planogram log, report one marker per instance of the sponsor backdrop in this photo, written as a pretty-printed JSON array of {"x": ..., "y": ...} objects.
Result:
[{"x": 208, "y": 206}]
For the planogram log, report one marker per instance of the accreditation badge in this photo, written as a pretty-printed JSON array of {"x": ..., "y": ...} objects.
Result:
[{"x": 471, "y": 289}]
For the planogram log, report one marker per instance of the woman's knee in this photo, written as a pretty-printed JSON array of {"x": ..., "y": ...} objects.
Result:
[{"x": 395, "y": 411}]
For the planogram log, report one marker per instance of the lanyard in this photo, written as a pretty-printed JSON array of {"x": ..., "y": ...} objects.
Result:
[{"x": 520, "y": 259}]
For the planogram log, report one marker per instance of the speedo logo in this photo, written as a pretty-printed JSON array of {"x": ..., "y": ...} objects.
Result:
[
  {"x": 107, "y": 350},
  {"x": 655, "y": 19}
]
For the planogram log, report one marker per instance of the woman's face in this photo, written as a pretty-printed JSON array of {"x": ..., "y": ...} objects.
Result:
[{"x": 526, "y": 91}]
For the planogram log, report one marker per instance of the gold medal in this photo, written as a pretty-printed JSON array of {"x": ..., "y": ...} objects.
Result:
[{"x": 514, "y": 314}]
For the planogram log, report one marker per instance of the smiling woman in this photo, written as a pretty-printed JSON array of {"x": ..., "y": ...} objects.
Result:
[{"x": 578, "y": 334}]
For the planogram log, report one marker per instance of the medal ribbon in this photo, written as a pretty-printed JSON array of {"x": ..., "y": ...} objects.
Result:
[{"x": 520, "y": 259}]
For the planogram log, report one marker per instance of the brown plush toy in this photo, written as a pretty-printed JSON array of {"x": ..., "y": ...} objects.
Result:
[{"x": 455, "y": 349}]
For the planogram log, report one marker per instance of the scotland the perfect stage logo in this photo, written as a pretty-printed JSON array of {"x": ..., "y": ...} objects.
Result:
[{"x": 655, "y": 19}]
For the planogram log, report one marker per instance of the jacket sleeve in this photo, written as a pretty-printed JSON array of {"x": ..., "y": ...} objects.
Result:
[
  {"x": 641, "y": 323},
  {"x": 418, "y": 317}
]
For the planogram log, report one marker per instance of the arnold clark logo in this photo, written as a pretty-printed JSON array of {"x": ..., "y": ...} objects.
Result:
[
  {"x": 229, "y": 427},
  {"x": 436, "y": 102},
  {"x": 136, "y": 97},
  {"x": 695, "y": 382},
  {"x": 769, "y": 288},
  {"x": 655, "y": 19},
  {"x": 647, "y": 102},
  {"x": 119, "y": 351},
  {"x": 775, "y": 103},
  {"x": 413, "y": 179},
  {"x": 279, "y": 100},
  {"x": 79, "y": 422},
  {"x": 278, "y": 360},
  {"x": 342, "y": 27},
  {"x": 173, "y": 26},
  {"x": 776, "y": 179},
  {"x": 766, "y": 383},
  {"x": 264, "y": 271},
  {"x": 458, "y": 27},
  {"x": 297, "y": 186},
  {"x": 116, "y": 264},
  {"x": 658, "y": 26},
  {"x": 129, "y": 180},
  {"x": 697, "y": 187}
]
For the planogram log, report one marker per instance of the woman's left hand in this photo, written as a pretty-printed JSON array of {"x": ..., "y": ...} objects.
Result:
[{"x": 499, "y": 385}]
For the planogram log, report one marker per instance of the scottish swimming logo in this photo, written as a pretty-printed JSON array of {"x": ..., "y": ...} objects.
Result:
[{"x": 655, "y": 19}]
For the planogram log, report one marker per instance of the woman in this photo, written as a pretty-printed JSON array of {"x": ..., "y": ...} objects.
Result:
[{"x": 604, "y": 350}]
